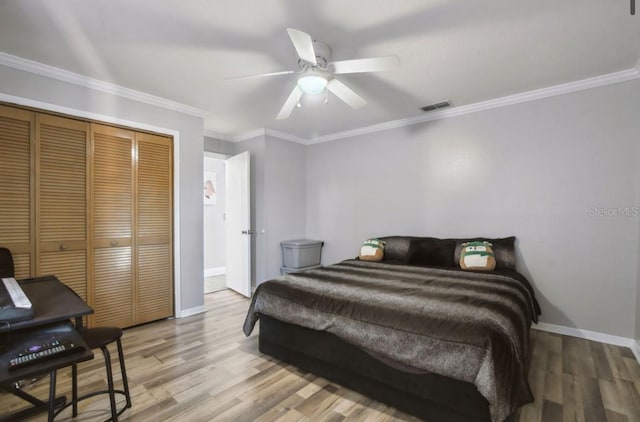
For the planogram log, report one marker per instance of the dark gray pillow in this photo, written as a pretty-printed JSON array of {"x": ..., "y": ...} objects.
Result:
[
  {"x": 503, "y": 249},
  {"x": 397, "y": 248},
  {"x": 432, "y": 251}
]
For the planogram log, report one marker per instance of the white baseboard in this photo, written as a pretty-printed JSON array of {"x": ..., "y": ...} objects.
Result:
[
  {"x": 210, "y": 272},
  {"x": 635, "y": 348},
  {"x": 586, "y": 334},
  {"x": 191, "y": 311}
]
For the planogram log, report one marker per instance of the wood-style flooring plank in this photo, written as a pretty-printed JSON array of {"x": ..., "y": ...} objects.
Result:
[
  {"x": 592, "y": 400},
  {"x": 551, "y": 411}
]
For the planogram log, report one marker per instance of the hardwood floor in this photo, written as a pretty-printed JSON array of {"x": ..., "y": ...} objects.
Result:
[
  {"x": 215, "y": 283},
  {"x": 203, "y": 368}
]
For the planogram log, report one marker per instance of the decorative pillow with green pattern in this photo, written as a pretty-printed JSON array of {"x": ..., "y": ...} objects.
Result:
[
  {"x": 372, "y": 250},
  {"x": 477, "y": 255}
]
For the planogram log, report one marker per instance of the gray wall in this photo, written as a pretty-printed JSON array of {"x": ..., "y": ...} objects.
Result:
[
  {"x": 214, "y": 231},
  {"x": 278, "y": 200},
  {"x": 637, "y": 333},
  {"x": 285, "y": 198},
  {"x": 553, "y": 172},
  {"x": 219, "y": 146},
  {"x": 50, "y": 91},
  {"x": 541, "y": 170}
]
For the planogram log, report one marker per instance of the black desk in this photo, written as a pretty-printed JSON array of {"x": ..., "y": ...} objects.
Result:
[
  {"x": 54, "y": 304},
  {"x": 52, "y": 301}
]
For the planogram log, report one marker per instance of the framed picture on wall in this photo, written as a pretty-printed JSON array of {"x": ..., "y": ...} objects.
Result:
[{"x": 210, "y": 188}]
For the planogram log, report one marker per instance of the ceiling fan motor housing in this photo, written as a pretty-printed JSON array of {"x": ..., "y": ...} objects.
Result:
[{"x": 323, "y": 55}]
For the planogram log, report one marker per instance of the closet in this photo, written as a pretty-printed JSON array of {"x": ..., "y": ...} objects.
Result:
[{"x": 92, "y": 204}]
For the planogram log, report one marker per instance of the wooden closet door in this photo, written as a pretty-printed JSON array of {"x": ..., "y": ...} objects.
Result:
[
  {"x": 112, "y": 294},
  {"x": 61, "y": 192},
  {"x": 154, "y": 223},
  {"x": 17, "y": 189}
]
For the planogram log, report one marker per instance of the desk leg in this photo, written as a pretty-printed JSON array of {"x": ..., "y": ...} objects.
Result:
[
  {"x": 25, "y": 396},
  {"x": 52, "y": 395},
  {"x": 74, "y": 375},
  {"x": 38, "y": 405},
  {"x": 78, "y": 323},
  {"x": 74, "y": 388}
]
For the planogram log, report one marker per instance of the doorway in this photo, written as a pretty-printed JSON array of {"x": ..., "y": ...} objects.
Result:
[{"x": 214, "y": 200}]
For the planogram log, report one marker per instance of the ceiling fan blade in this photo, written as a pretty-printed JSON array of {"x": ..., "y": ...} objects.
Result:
[
  {"x": 290, "y": 104},
  {"x": 345, "y": 93},
  {"x": 262, "y": 75},
  {"x": 373, "y": 64},
  {"x": 303, "y": 44}
]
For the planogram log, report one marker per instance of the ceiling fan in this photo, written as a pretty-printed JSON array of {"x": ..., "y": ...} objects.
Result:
[{"x": 317, "y": 73}]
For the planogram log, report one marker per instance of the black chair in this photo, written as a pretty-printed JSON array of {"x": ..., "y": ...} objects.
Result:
[
  {"x": 95, "y": 338},
  {"x": 6, "y": 263}
]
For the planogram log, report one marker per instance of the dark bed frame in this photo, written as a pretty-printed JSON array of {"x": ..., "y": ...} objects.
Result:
[{"x": 428, "y": 396}]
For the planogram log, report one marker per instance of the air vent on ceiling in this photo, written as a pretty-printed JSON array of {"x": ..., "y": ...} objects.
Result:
[{"x": 436, "y": 106}]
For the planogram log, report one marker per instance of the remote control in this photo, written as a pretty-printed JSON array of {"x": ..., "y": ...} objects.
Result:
[{"x": 38, "y": 353}]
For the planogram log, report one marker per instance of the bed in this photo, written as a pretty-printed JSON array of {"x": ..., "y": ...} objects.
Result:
[{"x": 413, "y": 331}]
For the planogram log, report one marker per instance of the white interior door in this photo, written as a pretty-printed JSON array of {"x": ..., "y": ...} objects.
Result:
[{"x": 238, "y": 224}]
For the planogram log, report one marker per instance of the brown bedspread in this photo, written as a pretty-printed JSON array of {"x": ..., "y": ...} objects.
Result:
[{"x": 473, "y": 327}]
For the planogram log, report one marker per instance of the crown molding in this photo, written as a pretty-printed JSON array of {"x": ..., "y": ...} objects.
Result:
[
  {"x": 216, "y": 135},
  {"x": 537, "y": 94},
  {"x": 249, "y": 135},
  {"x": 37, "y": 68},
  {"x": 34, "y": 67},
  {"x": 235, "y": 138},
  {"x": 255, "y": 133},
  {"x": 286, "y": 137}
]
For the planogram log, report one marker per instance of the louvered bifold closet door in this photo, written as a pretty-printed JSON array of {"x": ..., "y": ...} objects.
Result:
[
  {"x": 112, "y": 293},
  {"x": 16, "y": 189},
  {"x": 154, "y": 228},
  {"x": 61, "y": 192}
]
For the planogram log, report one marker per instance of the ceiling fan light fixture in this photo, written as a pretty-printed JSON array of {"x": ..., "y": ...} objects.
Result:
[{"x": 312, "y": 84}]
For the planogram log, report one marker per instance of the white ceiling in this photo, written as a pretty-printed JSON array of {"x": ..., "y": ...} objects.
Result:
[{"x": 457, "y": 50}]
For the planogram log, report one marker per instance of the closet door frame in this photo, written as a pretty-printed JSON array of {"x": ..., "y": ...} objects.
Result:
[{"x": 30, "y": 106}]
